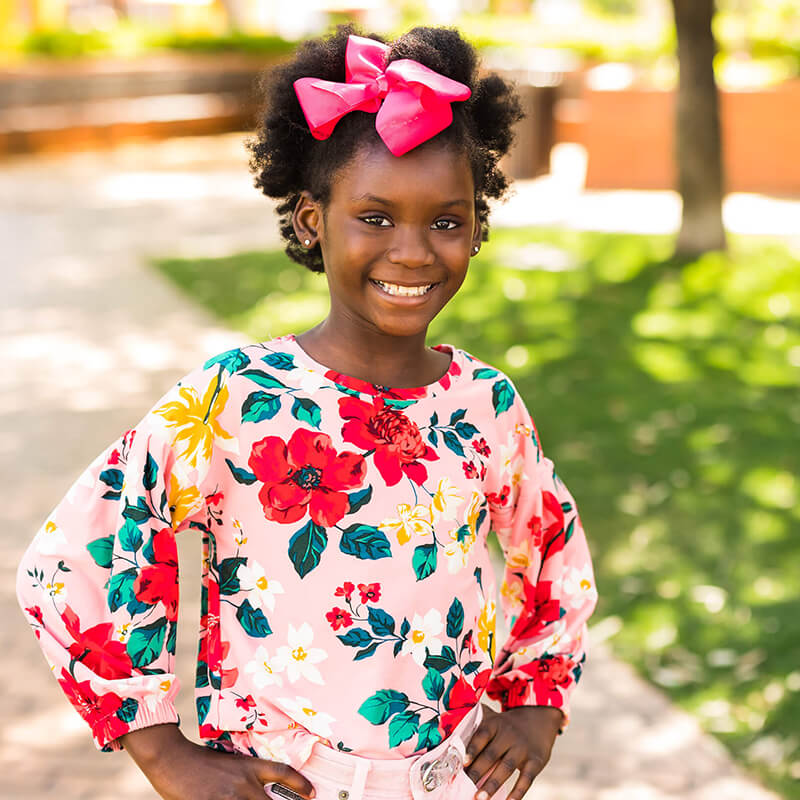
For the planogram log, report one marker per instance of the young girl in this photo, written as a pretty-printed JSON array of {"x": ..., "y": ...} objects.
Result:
[{"x": 343, "y": 481}]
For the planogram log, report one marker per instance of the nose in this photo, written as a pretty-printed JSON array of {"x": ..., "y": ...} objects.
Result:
[{"x": 410, "y": 247}]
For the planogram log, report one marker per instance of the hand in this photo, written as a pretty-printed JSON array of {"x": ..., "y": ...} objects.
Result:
[
  {"x": 179, "y": 769},
  {"x": 521, "y": 738}
]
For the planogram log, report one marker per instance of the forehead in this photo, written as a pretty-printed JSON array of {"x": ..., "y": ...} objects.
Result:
[{"x": 433, "y": 172}]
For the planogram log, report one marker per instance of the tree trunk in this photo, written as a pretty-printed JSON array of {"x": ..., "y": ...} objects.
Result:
[{"x": 698, "y": 136}]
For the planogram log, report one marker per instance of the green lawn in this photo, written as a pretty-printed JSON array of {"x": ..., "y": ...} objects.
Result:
[{"x": 668, "y": 399}]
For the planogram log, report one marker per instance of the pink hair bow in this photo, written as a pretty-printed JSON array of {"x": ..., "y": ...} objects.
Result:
[{"x": 412, "y": 102}]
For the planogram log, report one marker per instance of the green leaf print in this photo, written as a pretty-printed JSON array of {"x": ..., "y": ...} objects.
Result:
[
  {"x": 359, "y": 499},
  {"x": 306, "y": 547},
  {"x": 424, "y": 560},
  {"x": 260, "y": 406},
  {"x": 451, "y": 440},
  {"x": 365, "y": 542},
  {"x": 355, "y": 637},
  {"x": 305, "y": 409},
  {"x": 429, "y": 735},
  {"x": 127, "y": 711},
  {"x": 120, "y": 589},
  {"x": 366, "y": 652},
  {"x": 263, "y": 379},
  {"x": 138, "y": 513},
  {"x": 502, "y": 396},
  {"x": 203, "y": 705},
  {"x": 145, "y": 643},
  {"x": 172, "y": 637},
  {"x": 381, "y": 622},
  {"x": 484, "y": 372},
  {"x": 381, "y": 705},
  {"x": 455, "y": 619},
  {"x": 466, "y": 430},
  {"x": 102, "y": 550},
  {"x": 253, "y": 620},
  {"x": 402, "y": 727},
  {"x": 113, "y": 478},
  {"x": 570, "y": 531},
  {"x": 279, "y": 360},
  {"x": 150, "y": 473},
  {"x": 241, "y": 475},
  {"x": 130, "y": 537},
  {"x": 433, "y": 684},
  {"x": 441, "y": 663},
  {"x": 231, "y": 360},
  {"x": 456, "y": 416},
  {"x": 228, "y": 579}
]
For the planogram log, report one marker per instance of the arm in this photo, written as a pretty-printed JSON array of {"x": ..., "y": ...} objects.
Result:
[{"x": 547, "y": 595}]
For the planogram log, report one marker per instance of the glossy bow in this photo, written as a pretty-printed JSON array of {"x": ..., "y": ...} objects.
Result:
[{"x": 412, "y": 102}]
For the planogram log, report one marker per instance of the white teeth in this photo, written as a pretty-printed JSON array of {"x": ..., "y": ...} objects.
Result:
[{"x": 404, "y": 291}]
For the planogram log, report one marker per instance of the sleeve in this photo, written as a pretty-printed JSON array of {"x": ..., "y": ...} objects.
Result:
[
  {"x": 548, "y": 589},
  {"x": 99, "y": 582}
]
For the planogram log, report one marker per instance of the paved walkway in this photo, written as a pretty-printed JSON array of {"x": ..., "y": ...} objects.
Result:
[{"x": 89, "y": 338}]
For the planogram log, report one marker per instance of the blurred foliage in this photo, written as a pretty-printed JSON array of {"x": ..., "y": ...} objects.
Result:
[
  {"x": 128, "y": 39},
  {"x": 667, "y": 396}
]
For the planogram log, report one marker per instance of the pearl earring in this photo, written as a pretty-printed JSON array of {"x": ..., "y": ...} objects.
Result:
[
  {"x": 307, "y": 242},
  {"x": 475, "y": 248}
]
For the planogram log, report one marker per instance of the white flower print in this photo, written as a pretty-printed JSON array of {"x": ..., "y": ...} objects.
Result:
[
  {"x": 446, "y": 500},
  {"x": 311, "y": 381},
  {"x": 50, "y": 539},
  {"x": 416, "y": 521},
  {"x": 424, "y": 632},
  {"x": 263, "y": 669},
  {"x": 261, "y": 591},
  {"x": 301, "y": 710},
  {"x": 579, "y": 586},
  {"x": 511, "y": 461},
  {"x": 463, "y": 537},
  {"x": 299, "y": 657}
]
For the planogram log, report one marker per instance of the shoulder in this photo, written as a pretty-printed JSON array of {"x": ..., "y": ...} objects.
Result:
[{"x": 491, "y": 385}]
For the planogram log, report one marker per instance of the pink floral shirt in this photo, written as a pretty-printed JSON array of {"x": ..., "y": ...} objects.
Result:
[{"x": 348, "y": 594}]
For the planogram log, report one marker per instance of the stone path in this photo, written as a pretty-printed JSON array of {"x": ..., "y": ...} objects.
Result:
[{"x": 89, "y": 338}]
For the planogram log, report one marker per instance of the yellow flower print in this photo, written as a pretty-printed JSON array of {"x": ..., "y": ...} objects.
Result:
[
  {"x": 416, "y": 521},
  {"x": 463, "y": 538},
  {"x": 446, "y": 499},
  {"x": 486, "y": 628},
  {"x": 519, "y": 556},
  {"x": 183, "y": 500},
  {"x": 195, "y": 420},
  {"x": 512, "y": 595}
]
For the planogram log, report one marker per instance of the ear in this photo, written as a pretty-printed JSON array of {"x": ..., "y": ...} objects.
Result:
[{"x": 307, "y": 220}]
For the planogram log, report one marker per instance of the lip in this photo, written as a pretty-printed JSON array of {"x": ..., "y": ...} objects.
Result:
[{"x": 405, "y": 300}]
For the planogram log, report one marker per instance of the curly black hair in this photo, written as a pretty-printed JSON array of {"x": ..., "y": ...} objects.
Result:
[{"x": 286, "y": 159}]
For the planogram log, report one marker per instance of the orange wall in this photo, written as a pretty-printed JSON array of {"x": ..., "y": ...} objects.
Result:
[{"x": 629, "y": 137}]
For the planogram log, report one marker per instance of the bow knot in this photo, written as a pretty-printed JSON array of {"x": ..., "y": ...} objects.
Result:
[{"x": 411, "y": 101}]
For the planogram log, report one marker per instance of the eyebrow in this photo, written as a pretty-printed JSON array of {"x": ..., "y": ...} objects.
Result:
[{"x": 372, "y": 198}]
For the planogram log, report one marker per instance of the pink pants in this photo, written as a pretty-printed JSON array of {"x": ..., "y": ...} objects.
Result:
[{"x": 437, "y": 775}]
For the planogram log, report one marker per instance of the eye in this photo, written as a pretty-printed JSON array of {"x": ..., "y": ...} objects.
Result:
[
  {"x": 444, "y": 225},
  {"x": 377, "y": 220}
]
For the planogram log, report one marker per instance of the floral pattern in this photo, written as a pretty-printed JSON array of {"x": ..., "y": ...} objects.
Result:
[{"x": 342, "y": 522}]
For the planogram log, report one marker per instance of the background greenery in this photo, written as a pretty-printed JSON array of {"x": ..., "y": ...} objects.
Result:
[{"x": 667, "y": 396}]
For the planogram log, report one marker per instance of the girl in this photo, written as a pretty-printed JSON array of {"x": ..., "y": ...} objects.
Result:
[{"x": 343, "y": 482}]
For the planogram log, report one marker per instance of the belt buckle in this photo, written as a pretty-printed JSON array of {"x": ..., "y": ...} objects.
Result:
[{"x": 441, "y": 770}]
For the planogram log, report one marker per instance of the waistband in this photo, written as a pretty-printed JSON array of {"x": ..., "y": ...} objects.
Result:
[{"x": 420, "y": 776}]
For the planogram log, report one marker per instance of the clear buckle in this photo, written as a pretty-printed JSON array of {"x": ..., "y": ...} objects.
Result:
[{"x": 442, "y": 770}]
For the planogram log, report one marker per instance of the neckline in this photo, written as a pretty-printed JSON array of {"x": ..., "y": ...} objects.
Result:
[{"x": 352, "y": 384}]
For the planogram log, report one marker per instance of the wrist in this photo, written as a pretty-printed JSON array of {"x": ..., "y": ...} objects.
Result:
[{"x": 147, "y": 746}]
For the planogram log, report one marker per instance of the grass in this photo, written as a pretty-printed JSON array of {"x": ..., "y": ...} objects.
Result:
[{"x": 668, "y": 399}]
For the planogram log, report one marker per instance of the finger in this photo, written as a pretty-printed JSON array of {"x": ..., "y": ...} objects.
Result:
[
  {"x": 480, "y": 739},
  {"x": 528, "y": 771},
  {"x": 502, "y": 771},
  {"x": 276, "y": 772},
  {"x": 485, "y": 761}
]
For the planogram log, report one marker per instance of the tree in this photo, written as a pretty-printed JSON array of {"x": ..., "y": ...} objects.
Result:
[{"x": 698, "y": 135}]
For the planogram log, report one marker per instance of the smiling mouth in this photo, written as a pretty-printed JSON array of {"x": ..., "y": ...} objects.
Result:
[{"x": 396, "y": 290}]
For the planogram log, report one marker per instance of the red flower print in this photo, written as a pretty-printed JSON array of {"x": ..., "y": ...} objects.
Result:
[
  {"x": 98, "y": 710},
  {"x": 365, "y": 387},
  {"x": 305, "y": 474},
  {"x": 499, "y": 498},
  {"x": 95, "y": 648},
  {"x": 339, "y": 618},
  {"x": 214, "y": 499},
  {"x": 481, "y": 447},
  {"x": 346, "y": 590},
  {"x": 158, "y": 583},
  {"x": 483, "y": 471},
  {"x": 460, "y": 700},
  {"x": 395, "y": 439},
  {"x": 470, "y": 470},
  {"x": 540, "y": 610},
  {"x": 549, "y": 672},
  {"x": 36, "y": 613},
  {"x": 246, "y": 702},
  {"x": 114, "y": 457},
  {"x": 445, "y": 379},
  {"x": 370, "y": 592}
]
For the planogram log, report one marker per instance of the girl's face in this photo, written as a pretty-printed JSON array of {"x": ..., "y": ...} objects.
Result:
[{"x": 396, "y": 236}]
